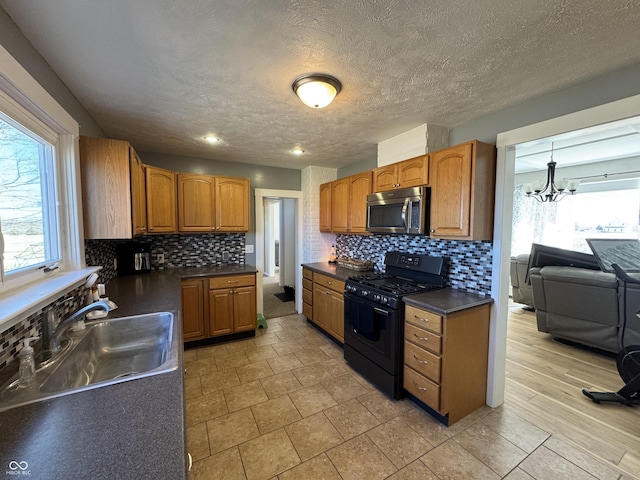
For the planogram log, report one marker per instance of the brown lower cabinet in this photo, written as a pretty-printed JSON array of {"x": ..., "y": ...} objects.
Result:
[
  {"x": 445, "y": 359},
  {"x": 216, "y": 306},
  {"x": 323, "y": 302}
]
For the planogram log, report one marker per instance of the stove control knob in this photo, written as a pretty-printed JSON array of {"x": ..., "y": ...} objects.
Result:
[
  {"x": 385, "y": 300},
  {"x": 364, "y": 293},
  {"x": 376, "y": 297}
]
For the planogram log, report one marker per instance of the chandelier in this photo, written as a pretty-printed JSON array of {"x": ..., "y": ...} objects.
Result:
[{"x": 551, "y": 191}]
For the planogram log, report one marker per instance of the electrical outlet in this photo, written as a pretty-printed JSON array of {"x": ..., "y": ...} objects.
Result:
[
  {"x": 160, "y": 258},
  {"x": 115, "y": 264},
  {"x": 225, "y": 256},
  {"x": 248, "y": 249}
]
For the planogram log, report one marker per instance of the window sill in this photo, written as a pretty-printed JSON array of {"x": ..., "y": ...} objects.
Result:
[{"x": 19, "y": 304}]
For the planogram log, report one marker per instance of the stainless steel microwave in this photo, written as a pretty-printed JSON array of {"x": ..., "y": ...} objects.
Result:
[{"x": 399, "y": 211}]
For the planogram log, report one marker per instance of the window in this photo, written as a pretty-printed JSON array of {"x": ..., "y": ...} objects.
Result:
[
  {"x": 40, "y": 206},
  {"x": 28, "y": 199},
  {"x": 610, "y": 213}
]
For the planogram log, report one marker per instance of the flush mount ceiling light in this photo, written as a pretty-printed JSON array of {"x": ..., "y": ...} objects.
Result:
[
  {"x": 211, "y": 139},
  {"x": 297, "y": 151},
  {"x": 316, "y": 90}
]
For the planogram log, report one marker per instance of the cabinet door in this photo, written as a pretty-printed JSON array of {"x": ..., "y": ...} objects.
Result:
[
  {"x": 161, "y": 200},
  {"x": 359, "y": 188},
  {"x": 325, "y": 207},
  {"x": 322, "y": 307},
  {"x": 195, "y": 203},
  {"x": 244, "y": 309},
  {"x": 193, "y": 324},
  {"x": 385, "y": 178},
  {"x": 220, "y": 312},
  {"x": 138, "y": 194},
  {"x": 337, "y": 315},
  {"x": 232, "y": 204},
  {"x": 340, "y": 205},
  {"x": 451, "y": 191},
  {"x": 106, "y": 188},
  {"x": 413, "y": 172}
]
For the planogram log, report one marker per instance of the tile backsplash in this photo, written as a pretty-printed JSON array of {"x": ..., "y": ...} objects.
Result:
[
  {"x": 468, "y": 263},
  {"x": 11, "y": 339},
  {"x": 183, "y": 250}
]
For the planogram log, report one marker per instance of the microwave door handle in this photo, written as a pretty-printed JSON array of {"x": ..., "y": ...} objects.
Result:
[{"x": 404, "y": 215}]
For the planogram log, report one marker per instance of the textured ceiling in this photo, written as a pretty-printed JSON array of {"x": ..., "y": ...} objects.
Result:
[{"x": 164, "y": 73}]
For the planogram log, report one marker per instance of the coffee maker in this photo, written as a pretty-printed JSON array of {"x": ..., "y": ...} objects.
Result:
[{"x": 133, "y": 257}]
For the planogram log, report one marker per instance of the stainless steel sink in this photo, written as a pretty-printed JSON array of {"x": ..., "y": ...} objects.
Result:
[{"x": 105, "y": 353}]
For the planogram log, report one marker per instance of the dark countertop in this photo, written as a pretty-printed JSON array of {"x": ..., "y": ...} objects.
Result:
[
  {"x": 446, "y": 300},
  {"x": 159, "y": 290},
  {"x": 333, "y": 270},
  {"x": 135, "y": 429}
]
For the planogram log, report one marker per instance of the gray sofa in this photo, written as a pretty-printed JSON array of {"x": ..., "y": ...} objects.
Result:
[
  {"x": 585, "y": 306},
  {"x": 521, "y": 291}
]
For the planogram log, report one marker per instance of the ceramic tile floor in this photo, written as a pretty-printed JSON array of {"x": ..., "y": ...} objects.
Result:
[{"x": 284, "y": 405}]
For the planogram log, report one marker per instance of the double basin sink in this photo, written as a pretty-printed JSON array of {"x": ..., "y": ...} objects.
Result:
[{"x": 106, "y": 352}]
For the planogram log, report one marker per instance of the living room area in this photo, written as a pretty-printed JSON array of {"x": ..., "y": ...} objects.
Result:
[{"x": 566, "y": 315}]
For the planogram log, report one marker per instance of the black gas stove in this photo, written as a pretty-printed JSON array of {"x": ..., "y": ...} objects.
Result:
[
  {"x": 374, "y": 315},
  {"x": 405, "y": 274}
]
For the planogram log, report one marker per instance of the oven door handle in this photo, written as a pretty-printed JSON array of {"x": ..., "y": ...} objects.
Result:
[
  {"x": 381, "y": 312},
  {"x": 405, "y": 207}
]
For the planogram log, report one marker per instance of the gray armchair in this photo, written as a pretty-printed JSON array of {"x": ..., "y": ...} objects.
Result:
[
  {"x": 521, "y": 290},
  {"x": 585, "y": 306}
]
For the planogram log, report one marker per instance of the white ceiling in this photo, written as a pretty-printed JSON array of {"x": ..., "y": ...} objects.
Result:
[{"x": 164, "y": 73}]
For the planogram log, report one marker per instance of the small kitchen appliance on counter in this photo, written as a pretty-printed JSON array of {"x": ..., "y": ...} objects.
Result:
[
  {"x": 133, "y": 257},
  {"x": 374, "y": 315}
]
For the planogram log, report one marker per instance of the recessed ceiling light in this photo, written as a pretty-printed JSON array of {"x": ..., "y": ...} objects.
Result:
[
  {"x": 211, "y": 139},
  {"x": 297, "y": 151}
]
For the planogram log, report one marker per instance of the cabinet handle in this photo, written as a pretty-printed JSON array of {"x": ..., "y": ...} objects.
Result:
[
  {"x": 424, "y": 339},
  {"x": 232, "y": 281},
  {"x": 432, "y": 230},
  {"x": 425, "y": 320},
  {"x": 420, "y": 361},
  {"x": 423, "y": 389}
]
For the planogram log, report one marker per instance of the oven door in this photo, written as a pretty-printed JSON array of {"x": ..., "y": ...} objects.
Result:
[{"x": 374, "y": 331}]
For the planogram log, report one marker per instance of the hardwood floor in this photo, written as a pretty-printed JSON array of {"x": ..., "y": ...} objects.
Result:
[{"x": 543, "y": 385}]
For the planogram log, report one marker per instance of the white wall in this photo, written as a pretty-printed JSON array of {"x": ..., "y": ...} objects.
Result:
[{"x": 316, "y": 245}]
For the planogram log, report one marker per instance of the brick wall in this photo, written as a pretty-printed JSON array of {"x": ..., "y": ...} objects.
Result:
[{"x": 316, "y": 245}]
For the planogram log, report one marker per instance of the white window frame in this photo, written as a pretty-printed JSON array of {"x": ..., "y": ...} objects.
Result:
[{"x": 28, "y": 103}]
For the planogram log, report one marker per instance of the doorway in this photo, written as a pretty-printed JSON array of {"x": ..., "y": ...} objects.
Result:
[
  {"x": 505, "y": 172},
  {"x": 278, "y": 251}
]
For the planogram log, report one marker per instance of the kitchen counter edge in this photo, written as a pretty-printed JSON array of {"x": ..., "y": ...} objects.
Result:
[{"x": 447, "y": 300}]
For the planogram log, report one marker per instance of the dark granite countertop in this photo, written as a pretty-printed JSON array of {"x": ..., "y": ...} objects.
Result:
[
  {"x": 446, "y": 300},
  {"x": 134, "y": 429},
  {"x": 159, "y": 290},
  {"x": 333, "y": 270}
]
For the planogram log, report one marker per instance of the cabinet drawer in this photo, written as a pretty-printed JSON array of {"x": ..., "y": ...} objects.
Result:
[
  {"x": 306, "y": 283},
  {"x": 422, "y": 388},
  {"x": 422, "y": 361},
  {"x": 235, "y": 281},
  {"x": 307, "y": 310},
  {"x": 423, "y": 338},
  {"x": 306, "y": 273},
  {"x": 307, "y": 296},
  {"x": 332, "y": 283},
  {"x": 423, "y": 319}
]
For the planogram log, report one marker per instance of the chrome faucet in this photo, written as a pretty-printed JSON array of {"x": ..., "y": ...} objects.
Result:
[{"x": 53, "y": 344}]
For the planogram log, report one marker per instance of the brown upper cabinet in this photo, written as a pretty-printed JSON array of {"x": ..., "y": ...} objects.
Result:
[
  {"x": 325, "y": 207},
  {"x": 161, "y": 200},
  {"x": 408, "y": 173},
  {"x": 113, "y": 189},
  {"x": 462, "y": 191},
  {"x": 207, "y": 203},
  {"x": 349, "y": 203}
]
